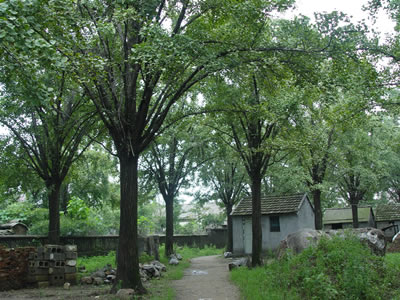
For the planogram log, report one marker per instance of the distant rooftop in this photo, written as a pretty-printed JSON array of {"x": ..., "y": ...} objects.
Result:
[
  {"x": 344, "y": 215},
  {"x": 388, "y": 212},
  {"x": 282, "y": 204}
]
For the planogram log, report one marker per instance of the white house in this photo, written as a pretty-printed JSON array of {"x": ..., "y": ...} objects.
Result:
[{"x": 280, "y": 216}]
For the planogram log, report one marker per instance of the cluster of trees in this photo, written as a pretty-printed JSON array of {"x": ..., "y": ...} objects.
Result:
[{"x": 222, "y": 94}]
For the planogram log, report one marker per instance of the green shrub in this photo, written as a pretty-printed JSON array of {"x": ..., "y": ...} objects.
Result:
[{"x": 337, "y": 268}]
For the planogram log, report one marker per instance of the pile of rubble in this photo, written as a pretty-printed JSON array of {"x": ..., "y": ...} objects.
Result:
[
  {"x": 52, "y": 265},
  {"x": 108, "y": 274},
  {"x": 13, "y": 267}
]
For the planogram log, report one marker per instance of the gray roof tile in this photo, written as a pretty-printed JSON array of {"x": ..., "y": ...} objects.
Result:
[
  {"x": 282, "y": 204},
  {"x": 387, "y": 212}
]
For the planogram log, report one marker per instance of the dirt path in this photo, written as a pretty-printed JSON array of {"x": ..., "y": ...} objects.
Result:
[{"x": 206, "y": 279}]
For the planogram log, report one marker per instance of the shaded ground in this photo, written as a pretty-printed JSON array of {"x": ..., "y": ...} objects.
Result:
[
  {"x": 59, "y": 293},
  {"x": 207, "y": 278}
]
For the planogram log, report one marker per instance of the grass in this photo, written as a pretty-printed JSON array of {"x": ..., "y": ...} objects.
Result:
[
  {"x": 335, "y": 269},
  {"x": 158, "y": 289},
  {"x": 95, "y": 263}
]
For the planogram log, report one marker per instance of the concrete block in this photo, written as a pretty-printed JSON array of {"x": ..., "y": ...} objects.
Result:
[
  {"x": 69, "y": 270},
  {"x": 71, "y": 278},
  {"x": 57, "y": 279},
  {"x": 70, "y": 248}
]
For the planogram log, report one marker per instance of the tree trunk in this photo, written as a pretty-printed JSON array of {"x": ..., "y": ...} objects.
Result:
[
  {"x": 53, "y": 190},
  {"x": 354, "y": 212},
  {"x": 317, "y": 208},
  {"x": 64, "y": 197},
  {"x": 128, "y": 255},
  {"x": 229, "y": 246},
  {"x": 169, "y": 232},
  {"x": 256, "y": 220}
]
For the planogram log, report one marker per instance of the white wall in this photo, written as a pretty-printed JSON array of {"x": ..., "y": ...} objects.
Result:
[{"x": 289, "y": 223}]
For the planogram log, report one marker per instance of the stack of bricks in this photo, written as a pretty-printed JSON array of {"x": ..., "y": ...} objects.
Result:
[
  {"x": 52, "y": 265},
  {"x": 14, "y": 267}
]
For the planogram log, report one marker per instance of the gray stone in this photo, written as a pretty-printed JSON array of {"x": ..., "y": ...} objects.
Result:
[
  {"x": 98, "y": 280},
  {"x": 372, "y": 237},
  {"x": 178, "y": 256},
  {"x": 125, "y": 294},
  {"x": 244, "y": 261},
  {"x": 87, "y": 280},
  {"x": 160, "y": 266},
  {"x": 228, "y": 254},
  {"x": 173, "y": 261},
  {"x": 111, "y": 278},
  {"x": 98, "y": 273},
  {"x": 300, "y": 240}
]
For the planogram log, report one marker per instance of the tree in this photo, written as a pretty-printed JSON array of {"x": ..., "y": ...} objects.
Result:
[
  {"x": 50, "y": 132},
  {"x": 171, "y": 159},
  {"x": 135, "y": 60},
  {"x": 252, "y": 119},
  {"x": 227, "y": 179}
]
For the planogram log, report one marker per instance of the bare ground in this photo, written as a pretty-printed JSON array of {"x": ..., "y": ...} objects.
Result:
[
  {"x": 77, "y": 292},
  {"x": 206, "y": 279}
]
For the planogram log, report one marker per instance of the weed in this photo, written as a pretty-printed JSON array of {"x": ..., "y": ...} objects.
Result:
[{"x": 334, "y": 269}]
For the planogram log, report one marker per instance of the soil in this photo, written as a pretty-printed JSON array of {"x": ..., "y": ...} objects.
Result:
[
  {"x": 77, "y": 292},
  {"x": 206, "y": 279}
]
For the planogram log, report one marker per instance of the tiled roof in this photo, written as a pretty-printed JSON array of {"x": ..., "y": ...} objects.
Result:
[
  {"x": 344, "y": 215},
  {"x": 282, "y": 204},
  {"x": 388, "y": 212}
]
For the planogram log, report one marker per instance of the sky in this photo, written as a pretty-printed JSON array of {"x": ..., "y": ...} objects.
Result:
[{"x": 350, "y": 7}]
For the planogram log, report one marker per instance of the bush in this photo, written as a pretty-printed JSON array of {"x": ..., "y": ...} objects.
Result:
[{"x": 336, "y": 268}]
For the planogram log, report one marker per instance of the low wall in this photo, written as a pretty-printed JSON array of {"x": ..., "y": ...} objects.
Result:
[
  {"x": 87, "y": 245},
  {"x": 103, "y": 244}
]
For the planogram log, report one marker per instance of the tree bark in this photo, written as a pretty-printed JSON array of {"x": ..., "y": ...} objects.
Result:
[
  {"x": 169, "y": 233},
  {"x": 317, "y": 208},
  {"x": 229, "y": 246},
  {"x": 53, "y": 190},
  {"x": 354, "y": 212},
  {"x": 128, "y": 255},
  {"x": 256, "y": 220}
]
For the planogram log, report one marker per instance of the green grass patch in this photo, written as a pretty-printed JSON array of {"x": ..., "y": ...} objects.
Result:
[
  {"x": 335, "y": 269},
  {"x": 95, "y": 263}
]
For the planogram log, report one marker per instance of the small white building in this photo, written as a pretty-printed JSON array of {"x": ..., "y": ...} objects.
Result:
[{"x": 280, "y": 216}]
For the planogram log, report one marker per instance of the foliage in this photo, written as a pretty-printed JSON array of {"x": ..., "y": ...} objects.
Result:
[
  {"x": 77, "y": 209},
  {"x": 89, "y": 221},
  {"x": 336, "y": 268}
]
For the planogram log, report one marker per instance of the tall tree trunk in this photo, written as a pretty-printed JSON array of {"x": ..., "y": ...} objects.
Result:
[
  {"x": 256, "y": 220},
  {"x": 229, "y": 246},
  {"x": 128, "y": 255},
  {"x": 317, "y": 208},
  {"x": 53, "y": 190},
  {"x": 354, "y": 212},
  {"x": 169, "y": 233},
  {"x": 64, "y": 196}
]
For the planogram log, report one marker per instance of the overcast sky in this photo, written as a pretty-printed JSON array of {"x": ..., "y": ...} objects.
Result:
[{"x": 350, "y": 7}]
